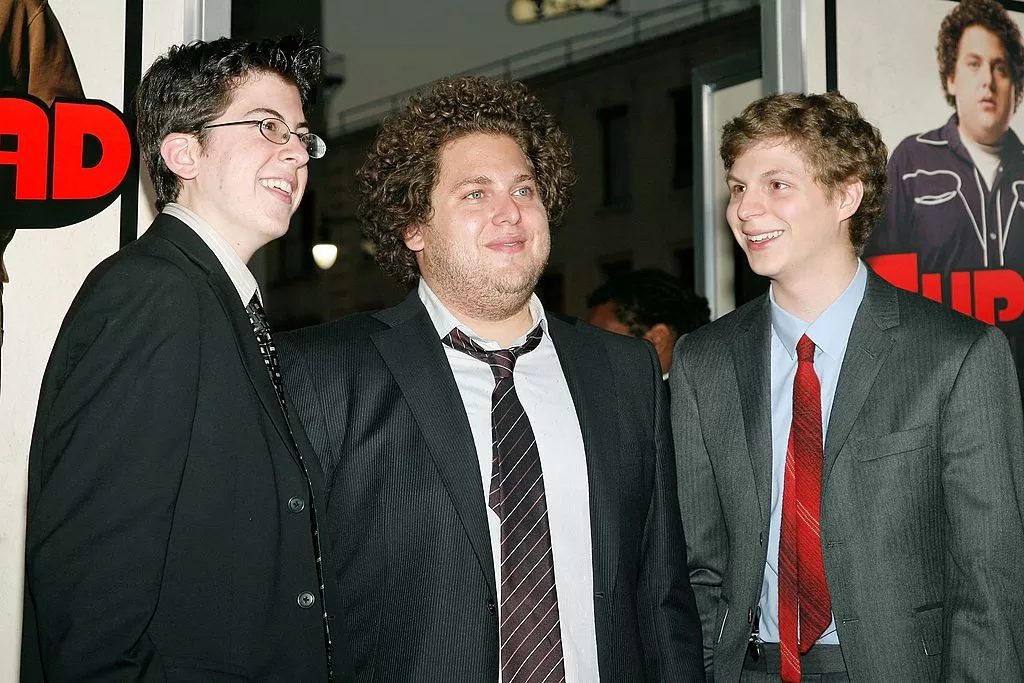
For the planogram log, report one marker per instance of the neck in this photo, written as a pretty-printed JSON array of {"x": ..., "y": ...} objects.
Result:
[
  {"x": 811, "y": 292},
  {"x": 503, "y": 331}
]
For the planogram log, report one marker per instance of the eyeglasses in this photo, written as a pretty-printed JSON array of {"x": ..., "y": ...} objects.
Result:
[{"x": 278, "y": 132}]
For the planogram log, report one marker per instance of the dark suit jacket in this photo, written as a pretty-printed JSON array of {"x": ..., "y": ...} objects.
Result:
[
  {"x": 161, "y": 544},
  {"x": 921, "y": 489},
  {"x": 406, "y": 508}
]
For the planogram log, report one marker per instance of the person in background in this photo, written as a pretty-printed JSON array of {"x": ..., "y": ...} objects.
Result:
[{"x": 650, "y": 304}]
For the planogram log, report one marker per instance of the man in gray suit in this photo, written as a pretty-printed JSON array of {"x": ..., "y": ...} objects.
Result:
[{"x": 849, "y": 454}]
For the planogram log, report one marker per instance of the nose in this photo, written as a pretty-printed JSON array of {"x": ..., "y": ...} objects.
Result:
[
  {"x": 507, "y": 210},
  {"x": 748, "y": 206},
  {"x": 295, "y": 151}
]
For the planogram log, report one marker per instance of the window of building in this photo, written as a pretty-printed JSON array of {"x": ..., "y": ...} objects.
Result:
[
  {"x": 615, "y": 157},
  {"x": 682, "y": 103},
  {"x": 614, "y": 267},
  {"x": 685, "y": 267}
]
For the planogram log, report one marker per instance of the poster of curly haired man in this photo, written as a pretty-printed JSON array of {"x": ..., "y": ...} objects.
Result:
[{"x": 946, "y": 96}]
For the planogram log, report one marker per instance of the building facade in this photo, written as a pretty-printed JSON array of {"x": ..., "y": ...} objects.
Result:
[{"x": 629, "y": 113}]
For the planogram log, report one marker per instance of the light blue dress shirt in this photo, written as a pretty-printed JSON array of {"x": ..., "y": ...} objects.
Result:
[{"x": 830, "y": 334}]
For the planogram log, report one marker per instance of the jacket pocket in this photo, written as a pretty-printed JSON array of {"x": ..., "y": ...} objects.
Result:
[
  {"x": 898, "y": 442},
  {"x": 929, "y": 626}
]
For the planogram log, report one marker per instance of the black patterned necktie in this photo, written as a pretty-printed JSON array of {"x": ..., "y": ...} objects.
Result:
[
  {"x": 261, "y": 328},
  {"x": 530, "y": 632}
]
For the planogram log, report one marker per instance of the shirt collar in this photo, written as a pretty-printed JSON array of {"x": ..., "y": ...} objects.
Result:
[
  {"x": 444, "y": 321},
  {"x": 241, "y": 277},
  {"x": 831, "y": 331}
]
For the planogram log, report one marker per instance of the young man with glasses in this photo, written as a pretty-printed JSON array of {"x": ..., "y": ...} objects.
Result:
[{"x": 173, "y": 502}]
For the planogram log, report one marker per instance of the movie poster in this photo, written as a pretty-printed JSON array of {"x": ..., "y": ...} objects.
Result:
[
  {"x": 943, "y": 81},
  {"x": 70, "y": 196}
]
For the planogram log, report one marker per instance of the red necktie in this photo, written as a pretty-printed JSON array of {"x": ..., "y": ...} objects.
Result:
[{"x": 803, "y": 593}]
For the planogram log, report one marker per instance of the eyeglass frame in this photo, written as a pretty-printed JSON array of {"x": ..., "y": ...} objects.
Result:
[{"x": 260, "y": 122}]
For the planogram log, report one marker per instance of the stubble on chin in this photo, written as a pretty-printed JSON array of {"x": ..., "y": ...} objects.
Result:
[{"x": 492, "y": 295}]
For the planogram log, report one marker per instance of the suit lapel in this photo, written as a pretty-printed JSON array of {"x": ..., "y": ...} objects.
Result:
[
  {"x": 588, "y": 374},
  {"x": 414, "y": 355},
  {"x": 751, "y": 350},
  {"x": 192, "y": 245},
  {"x": 870, "y": 344}
]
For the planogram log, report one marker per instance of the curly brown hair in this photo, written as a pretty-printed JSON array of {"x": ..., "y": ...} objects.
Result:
[
  {"x": 837, "y": 143},
  {"x": 991, "y": 16},
  {"x": 401, "y": 170}
]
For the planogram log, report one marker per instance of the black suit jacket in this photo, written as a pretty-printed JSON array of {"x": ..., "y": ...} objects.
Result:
[
  {"x": 406, "y": 508},
  {"x": 161, "y": 544}
]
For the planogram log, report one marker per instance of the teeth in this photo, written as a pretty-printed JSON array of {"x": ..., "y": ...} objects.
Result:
[
  {"x": 277, "y": 184},
  {"x": 764, "y": 236}
]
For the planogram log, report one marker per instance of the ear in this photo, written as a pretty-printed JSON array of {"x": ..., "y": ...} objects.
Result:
[
  {"x": 850, "y": 196},
  {"x": 413, "y": 237},
  {"x": 180, "y": 151},
  {"x": 662, "y": 337}
]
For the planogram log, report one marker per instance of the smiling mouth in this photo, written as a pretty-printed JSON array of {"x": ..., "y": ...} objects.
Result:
[
  {"x": 278, "y": 184},
  {"x": 763, "y": 237}
]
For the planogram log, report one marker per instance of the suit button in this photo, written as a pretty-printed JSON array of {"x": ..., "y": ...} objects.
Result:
[
  {"x": 491, "y": 607},
  {"x": 306, "y": 600},
  {"x": 296, "y": 504}
]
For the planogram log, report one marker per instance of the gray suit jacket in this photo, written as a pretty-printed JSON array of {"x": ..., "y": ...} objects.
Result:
[{"x": 921, "y": 515}]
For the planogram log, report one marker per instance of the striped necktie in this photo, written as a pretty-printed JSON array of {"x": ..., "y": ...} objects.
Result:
[
  {"x": 530, "y": 632},
  {"x": 805, "y": 609}
]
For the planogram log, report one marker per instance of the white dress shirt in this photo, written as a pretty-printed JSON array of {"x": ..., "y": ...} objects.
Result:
[
  {"x": 545, "y": 396},
  {"x": 241, "y": 277}
]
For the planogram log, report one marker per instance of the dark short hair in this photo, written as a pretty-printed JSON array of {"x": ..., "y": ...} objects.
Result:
[
  {"x": 837, "y": 143},
  {"x": 648, "y": 296},
  {"x": 192, "y": 85},
  {"x": 991, "y": 16},
  {"x": 401, "y": 170}
]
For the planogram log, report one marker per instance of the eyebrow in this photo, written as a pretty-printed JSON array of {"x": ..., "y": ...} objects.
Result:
[
  {"x": 485, "y": 180},
  {"x": 767, "y": 174},
  {"x": 276, "y": 114}
]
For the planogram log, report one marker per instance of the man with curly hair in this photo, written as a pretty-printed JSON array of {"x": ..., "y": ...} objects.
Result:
[
  {"x": 850, "y": 455},
  {"x": 501, "y": 482},
  {"x": 173, "y": 504},
  {"x": 956, "y": 191}
]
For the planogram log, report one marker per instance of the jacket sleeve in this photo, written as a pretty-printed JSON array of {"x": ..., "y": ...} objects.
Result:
[
  {"x": 109, "y": 448},
  {"x": 983, "y": 483},
  {"x": 674, "y": 623},
  {"x": 703, "y": 521}
]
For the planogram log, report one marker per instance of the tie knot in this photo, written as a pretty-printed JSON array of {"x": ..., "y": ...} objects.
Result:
[
  {"x": 502, "y": 361},
  {"x": 805, "y": 349}
]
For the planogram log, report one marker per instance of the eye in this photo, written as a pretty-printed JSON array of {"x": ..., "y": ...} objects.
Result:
[
  {"x": 736, "y": 190},
  {"x": 779, "y": 185},
  {"x": 1002, "y": 70},
  {"x": 523, "y": 192},
  {"x": 272, "y": 125},
  {"x": 475, "y": 194}
]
